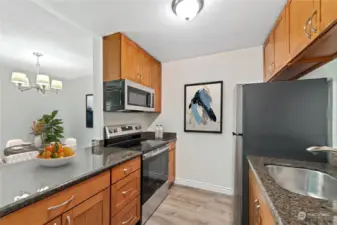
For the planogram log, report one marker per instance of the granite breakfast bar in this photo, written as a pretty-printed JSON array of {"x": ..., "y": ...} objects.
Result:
[
  {"x": 35, "y": 195},
  {"x": 288, "y": 208}
]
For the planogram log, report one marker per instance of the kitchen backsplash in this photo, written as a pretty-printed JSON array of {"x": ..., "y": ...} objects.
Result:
[{"x": 144, "y": 119}]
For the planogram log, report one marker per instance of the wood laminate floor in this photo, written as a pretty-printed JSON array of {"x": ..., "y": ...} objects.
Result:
[{"x": 188, "y": 206}]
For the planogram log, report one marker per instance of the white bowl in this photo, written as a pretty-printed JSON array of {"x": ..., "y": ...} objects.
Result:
[{"x": 55, "y": 162}]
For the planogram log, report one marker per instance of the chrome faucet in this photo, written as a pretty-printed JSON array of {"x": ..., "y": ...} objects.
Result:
[
  {"x": 331, "y": 152},
  {"x": 315, "y": 149}
]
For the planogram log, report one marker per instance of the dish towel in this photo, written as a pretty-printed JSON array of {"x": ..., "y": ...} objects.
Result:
[{"x": 20, "y": 157}]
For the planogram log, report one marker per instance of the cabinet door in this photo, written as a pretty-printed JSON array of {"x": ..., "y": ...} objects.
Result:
[
  {"x": 281, "y": 48},
  {"x": 171, "y": 166},
  {"x": 328, "y": 12},
  {"x": 56, "y": 221},
  {"x": 269, "y": 57},
  {"x": 303, "y": 15},
  {"x": 94, "y": 211},
  {"x": 145, "y": 65},
  {"x": 130, "y": 60},
  {"x": 156, "y": 84}
]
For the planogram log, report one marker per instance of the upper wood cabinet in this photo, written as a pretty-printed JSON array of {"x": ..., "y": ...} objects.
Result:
[
  {"x": 303, "y": 24},
  {"x": 281, "y": 42},
  {"x": 328, "y": 12},
  {"x": 156, "y": 85},
  {"x": 124, "y": 59},
  {"x": 269, "y": 61},
  {"x": 302, "y": 39},
  {"x": 94, "y": 211}
]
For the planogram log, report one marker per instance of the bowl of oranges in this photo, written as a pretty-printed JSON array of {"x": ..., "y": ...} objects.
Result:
[{"x": 55, "y": 154}]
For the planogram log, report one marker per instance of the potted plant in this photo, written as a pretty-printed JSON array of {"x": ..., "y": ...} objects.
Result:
[{"x": 53, "y": 129}]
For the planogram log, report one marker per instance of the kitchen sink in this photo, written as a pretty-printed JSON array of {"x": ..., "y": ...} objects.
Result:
[{"x": 304, "y": 181}]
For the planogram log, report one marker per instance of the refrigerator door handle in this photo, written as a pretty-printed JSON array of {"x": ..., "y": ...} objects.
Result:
[{"x": 237, "y": 134}]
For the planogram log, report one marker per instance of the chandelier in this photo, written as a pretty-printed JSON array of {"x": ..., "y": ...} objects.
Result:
[{"x": 42, "y": 85}]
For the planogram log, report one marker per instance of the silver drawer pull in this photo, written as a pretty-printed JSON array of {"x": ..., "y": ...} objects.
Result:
[
  {"x": 125, "y": 192},
  {"x": 62, "y": 204},
  {"x": 68, "y": 220},
  {"x": 126, "y": 170},
  {"x": 127, "y": 221}
]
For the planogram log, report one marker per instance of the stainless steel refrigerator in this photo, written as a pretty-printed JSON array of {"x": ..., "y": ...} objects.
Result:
[{"x": 279, "y": 120}]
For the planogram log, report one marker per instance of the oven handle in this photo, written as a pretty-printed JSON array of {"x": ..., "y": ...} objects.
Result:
[{"x": 155, "y": 152}]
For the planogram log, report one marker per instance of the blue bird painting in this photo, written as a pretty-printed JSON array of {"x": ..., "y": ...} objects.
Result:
[{"x": 202, "y": 100}]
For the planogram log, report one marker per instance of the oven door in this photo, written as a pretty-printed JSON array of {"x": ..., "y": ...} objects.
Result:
[
  {"x": 138, "y": 97},
  {"x": 155, "y": 172},
  {"x": 113, "y": 95}
]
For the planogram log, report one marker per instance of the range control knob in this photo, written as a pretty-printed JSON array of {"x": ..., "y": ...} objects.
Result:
[{"x": 115, "y": 130}]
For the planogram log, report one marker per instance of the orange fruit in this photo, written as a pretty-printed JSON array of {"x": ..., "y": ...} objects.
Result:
[{"x": 68, "y": 151}]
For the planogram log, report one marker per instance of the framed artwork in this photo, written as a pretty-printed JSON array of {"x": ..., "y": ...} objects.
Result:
[
  {"x": 89, "y": 112},
  {"x": 203, "y": 107}
]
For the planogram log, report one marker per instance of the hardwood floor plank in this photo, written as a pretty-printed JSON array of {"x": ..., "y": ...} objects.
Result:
[{"x": 189, "y": 206}]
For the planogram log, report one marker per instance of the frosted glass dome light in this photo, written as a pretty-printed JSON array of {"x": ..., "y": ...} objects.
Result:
[{"x": 187, "y": 9}]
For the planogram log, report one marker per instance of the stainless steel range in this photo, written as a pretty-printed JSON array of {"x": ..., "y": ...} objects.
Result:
[{"x": 154, "y": 165}]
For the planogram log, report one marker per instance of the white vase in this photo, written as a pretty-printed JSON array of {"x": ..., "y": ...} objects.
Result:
[{"x": 38, "y": 141}]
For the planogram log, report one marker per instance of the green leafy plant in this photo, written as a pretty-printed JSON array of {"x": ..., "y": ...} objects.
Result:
[{"x": 53, "y": 129}]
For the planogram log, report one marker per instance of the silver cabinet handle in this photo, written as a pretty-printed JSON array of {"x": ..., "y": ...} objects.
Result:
[
  {"x": 305, "y": 28},
  {"x": 313, "y": 29},
  {"x": 127, "y": 221},
  {"x": 125, "y": 192},
  {"x": 68, "y": 220},
  {"x": 256, "y": 207},
  {"x": 62, "y": 204},
  {"x": 126, "y": 170}
]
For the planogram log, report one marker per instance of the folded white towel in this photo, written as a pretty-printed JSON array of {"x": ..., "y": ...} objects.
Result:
[{"x": 20, "y": 157}]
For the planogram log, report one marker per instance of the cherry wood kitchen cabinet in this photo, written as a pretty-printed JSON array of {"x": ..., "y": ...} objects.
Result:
[
  {"x": 303, "y": 24},
  {"x": 302, "y": 39},
  {"x": 328, "y": 12},
  {"x": 281, "y": 42},
  {"x": 124, "y": 59},
  {"x": 156, "y": 84},
  {"x": 94, "y": 211},
  {"x": 172, "y": 163},
  {"x": 56, "y": 221},
  {"x": 269, "y": 62},
  {"x": 259, "y": 212}
]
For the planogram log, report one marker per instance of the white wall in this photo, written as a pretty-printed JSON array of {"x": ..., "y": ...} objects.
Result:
[
  {"x": 19, "y": 110},
  {"x": 144, "y": 119},
  {"x": 329, "y": 71},
  {"x": 206, "y": 160}
]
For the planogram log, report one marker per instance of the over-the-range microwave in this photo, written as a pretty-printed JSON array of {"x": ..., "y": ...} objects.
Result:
[{"x": 125, "y": 95}]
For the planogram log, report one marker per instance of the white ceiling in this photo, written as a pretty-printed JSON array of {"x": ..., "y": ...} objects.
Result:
[
  {"x": 221, "y": 26},
  {"x": 25, "y": 27},
  {"x": 63, "y": 30}
]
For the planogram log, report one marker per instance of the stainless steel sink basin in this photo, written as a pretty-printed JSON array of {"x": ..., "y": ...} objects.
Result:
[{"x": 305, "y": 182}]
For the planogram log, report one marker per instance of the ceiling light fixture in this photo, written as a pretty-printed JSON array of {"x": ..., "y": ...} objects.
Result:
[
  {"x": 187, "y": 9},
  {"x": 42, "y": 81}
]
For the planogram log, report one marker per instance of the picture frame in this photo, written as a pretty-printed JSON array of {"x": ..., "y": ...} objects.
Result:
[
  {"x": 203, "y": 107},
  {"x": 89, "y": 111}
]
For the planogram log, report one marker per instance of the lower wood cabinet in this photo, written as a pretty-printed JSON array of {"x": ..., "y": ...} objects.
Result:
[
  {"x": 124, "y": 191},
  {"x": 130, "y": 215},
  {"x": 94, "y": 211},
  {"x": 259, "y": 212},
  {"x": 56, "y": 221},
  {"x": 172, "y": 163}
]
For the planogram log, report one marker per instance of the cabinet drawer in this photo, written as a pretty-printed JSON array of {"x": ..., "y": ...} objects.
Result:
[
  {"x": 47, "y": 209},
  {"x": 125, "y": 169},
  {"x": 56, "y": 221},
  {"x": 172, "y": 145},
  {"x": 124, "y": 191},
  {"x": 130, "y": 215}
]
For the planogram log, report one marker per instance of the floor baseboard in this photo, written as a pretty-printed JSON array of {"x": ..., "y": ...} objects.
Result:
[{"x": 204, "y": 186}]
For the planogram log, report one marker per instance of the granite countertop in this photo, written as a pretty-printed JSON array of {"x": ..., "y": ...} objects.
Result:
[
  {"x": 40, "y": 182},
  {"x": 285, "y": 205}
]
